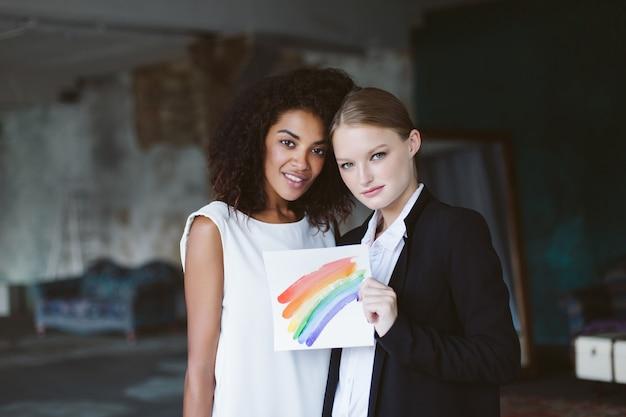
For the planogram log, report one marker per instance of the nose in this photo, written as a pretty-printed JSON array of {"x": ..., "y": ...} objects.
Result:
[
  {"x": 365, "y": 175},
  {"x": 300, "y": 160}
]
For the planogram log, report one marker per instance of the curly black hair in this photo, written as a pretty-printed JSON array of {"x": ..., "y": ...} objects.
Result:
[{"x": 236, "y": 152}]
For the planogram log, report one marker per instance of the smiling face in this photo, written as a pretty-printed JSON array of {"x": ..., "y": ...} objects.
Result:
[
  {"x": 295, "y": 151},
  {"x": 376, "y": 164}
]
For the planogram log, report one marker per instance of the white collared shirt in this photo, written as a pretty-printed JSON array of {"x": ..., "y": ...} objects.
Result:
[{"x": 355, "y": 371}]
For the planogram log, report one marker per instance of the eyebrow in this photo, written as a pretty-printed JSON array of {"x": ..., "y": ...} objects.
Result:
[
  {"x": 290, "y": 133},
  {"x": 377, "y": 148},
  {"x": 369, "y": 152}
]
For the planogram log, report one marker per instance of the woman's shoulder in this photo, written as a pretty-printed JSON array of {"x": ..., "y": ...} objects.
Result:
[
  {"x": 214, "y": 217},
  {"x": 217, "y": 212},
  {"x": 448, "y": 214},
  {"x": 217, "y": 209},
  {"x": 450, "y": 220}
]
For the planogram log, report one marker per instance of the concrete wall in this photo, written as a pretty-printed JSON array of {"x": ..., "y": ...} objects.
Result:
[
  {"x": 75, "y": 186},
  {"x": 351, "y": 22},
  {"x": 4, "y": 300}
]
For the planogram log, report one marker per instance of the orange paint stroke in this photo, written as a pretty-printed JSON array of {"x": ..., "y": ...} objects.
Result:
[
  {"x": 318, "y": 285},
  {"x": 304, "y": 282}
]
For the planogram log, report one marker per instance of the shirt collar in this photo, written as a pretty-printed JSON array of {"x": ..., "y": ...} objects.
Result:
[{"x": 397, "y": 230}]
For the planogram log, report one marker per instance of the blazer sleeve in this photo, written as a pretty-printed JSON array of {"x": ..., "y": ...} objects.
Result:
[{"x": 488, "y": 349}]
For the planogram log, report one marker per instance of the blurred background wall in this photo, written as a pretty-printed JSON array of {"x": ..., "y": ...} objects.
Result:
[
  {"x": 551, "y": 74},
  {"x": 105, "y": 107}
]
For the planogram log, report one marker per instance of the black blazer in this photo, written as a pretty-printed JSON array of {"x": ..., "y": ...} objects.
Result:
[{"x": 453, "y": 342}]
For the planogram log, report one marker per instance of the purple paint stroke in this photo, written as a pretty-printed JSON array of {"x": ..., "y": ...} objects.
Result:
[
  {"x": 332, "y": 313},
  {"x": 330, "y": 300}
]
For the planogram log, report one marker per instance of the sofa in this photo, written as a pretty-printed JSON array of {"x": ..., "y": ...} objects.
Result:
[{"x": 111, "y": 297}]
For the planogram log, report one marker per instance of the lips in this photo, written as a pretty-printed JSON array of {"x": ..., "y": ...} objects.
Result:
[
  {"x": 371, "y": 192},
  {"x": 295, "y": 180}
]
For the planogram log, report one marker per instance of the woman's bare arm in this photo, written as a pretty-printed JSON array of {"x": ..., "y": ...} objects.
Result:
[{"x": 204, "y": 289}]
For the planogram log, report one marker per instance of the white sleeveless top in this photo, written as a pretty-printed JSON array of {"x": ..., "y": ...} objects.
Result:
[{"x": 252, "y": 379}]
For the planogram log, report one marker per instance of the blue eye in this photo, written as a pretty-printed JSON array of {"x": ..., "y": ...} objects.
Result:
[
  {"x": 378, "y": 155},
  {"x": 288, "y": 143},
  {"x": 346, "y": 165}
]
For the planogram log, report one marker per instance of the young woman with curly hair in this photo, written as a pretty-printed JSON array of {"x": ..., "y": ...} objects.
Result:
[{"x": 276, "y": 187}]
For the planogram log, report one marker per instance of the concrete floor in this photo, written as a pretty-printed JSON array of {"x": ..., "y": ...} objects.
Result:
[
  {"x": 85, "y": 376},
  {"x": 64, "y": 375}
]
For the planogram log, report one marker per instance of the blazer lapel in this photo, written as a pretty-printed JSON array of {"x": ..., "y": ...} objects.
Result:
[
  {"x": 398, "y": 276},
  {"x": 397, "y": 282},
  {"x": 379, "y": 362},
  {"x": 331, "y": 382}
]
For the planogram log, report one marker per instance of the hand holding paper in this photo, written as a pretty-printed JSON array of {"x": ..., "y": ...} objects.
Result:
[{"x": 379, "y": 305}]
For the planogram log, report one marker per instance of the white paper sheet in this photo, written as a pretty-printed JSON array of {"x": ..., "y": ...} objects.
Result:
[{"x": 314, "y": 297}]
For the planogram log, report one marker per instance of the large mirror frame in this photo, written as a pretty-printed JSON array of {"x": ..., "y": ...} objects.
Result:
[{"x": 498, "y": 147}]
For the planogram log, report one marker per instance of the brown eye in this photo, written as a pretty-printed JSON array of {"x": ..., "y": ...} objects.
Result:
[{"x": 319, "y": 151}]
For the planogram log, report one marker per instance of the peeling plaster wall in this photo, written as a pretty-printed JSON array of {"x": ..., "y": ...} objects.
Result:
[{"x": 75, "y": 186}]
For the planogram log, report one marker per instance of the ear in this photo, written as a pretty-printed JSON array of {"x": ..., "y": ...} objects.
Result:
[{"x": 414, "y": 142}]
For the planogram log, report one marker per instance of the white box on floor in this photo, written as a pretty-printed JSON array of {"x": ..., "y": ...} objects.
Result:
[
  {"x": 619, "y": 361},
  {"x": 594, "y": 357}
]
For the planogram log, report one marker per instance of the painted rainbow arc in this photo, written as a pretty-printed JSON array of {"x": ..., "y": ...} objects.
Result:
[{"x": 315, "y": 298}]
